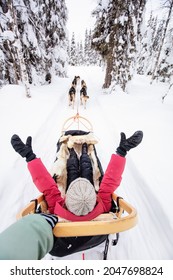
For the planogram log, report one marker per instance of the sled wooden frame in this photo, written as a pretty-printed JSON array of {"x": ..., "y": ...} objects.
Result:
[
  {"x": 107, "y": 223},
  {"x": 78, "y": 120}
]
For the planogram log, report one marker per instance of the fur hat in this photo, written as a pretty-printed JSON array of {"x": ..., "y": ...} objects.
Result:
[{"x": 80, "y": 197}]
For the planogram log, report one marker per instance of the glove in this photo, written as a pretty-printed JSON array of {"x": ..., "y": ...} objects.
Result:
[
  {"x": 130, "y": 143},
  {"x": 50, "y": 218},
  {"x": 25, "y": 150}
]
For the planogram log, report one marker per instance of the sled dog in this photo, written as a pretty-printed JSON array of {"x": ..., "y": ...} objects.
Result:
[
  {"x": 83, "y": 94},
  {"x": 75, "y": 80},
  {"x": 71, "y": 95}
]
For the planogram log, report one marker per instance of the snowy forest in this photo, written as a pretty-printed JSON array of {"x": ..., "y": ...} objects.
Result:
[
  {"x": 34, "y": 42},
  {"x": 125, "y": 56}
]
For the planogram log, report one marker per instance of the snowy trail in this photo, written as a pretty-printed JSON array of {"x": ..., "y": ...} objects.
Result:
[
  {"x": 152, "y": 218},
  {"x": 153, "y": 226}
]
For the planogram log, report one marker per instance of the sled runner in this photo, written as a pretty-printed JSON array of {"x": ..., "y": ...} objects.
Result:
[{"x": 73, "y": 237}]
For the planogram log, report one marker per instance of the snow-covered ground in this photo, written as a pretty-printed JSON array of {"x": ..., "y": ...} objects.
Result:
[{"x": 147, "y": 179}]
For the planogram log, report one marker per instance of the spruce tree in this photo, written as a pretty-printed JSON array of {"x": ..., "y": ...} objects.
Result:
[
  {"x": 169, "y": 5},
  {"x": 115, "y": 37},
  {"x": 73, "y": 56},
  {"x": 42, "y": 42}
]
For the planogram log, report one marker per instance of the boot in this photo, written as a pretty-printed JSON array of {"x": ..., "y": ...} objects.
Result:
[
  {"x": 72, "y": 152},
  {"x": 84, "y": 148}
]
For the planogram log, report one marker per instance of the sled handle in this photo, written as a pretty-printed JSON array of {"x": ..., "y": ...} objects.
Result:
[
  {"x": 79, "y": 120},
  {"x": 107, "y": 223},
  {"x": 104, "y": 224}
]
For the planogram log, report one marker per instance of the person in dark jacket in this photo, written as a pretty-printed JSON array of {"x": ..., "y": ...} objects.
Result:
[{"x": 81, "y": 202}]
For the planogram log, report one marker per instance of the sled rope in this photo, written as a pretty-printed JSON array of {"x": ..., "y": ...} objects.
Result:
[{"x": 77, "y": 107}]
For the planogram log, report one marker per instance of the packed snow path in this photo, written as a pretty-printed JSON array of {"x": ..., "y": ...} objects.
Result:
[{"x": 152, "y": 237}]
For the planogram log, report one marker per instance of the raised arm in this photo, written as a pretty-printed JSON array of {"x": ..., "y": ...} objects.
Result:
[
  {"x": 40, "y": 176},
  {"x": 45, "y": 183},
  {"x": 111, "y": 180},
  {"x": 113, "y": 174}
]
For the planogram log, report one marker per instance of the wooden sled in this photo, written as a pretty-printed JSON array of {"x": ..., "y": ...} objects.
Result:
[
  {"x": 121, "y": 219},
  {"x": 107, "y": 223}
]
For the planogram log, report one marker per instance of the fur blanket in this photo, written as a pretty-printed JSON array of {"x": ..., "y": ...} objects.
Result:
[{"x": 59, "y": 171}]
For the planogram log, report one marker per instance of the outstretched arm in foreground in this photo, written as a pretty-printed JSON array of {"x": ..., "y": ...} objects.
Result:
[
  {"x": 113, "y": 174},
  {"x": 30, "y": 238}
]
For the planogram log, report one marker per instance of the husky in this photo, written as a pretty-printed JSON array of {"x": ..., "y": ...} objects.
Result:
[
  {"x": 75, "y": 80},
  {"x": 83, "y": 94},
  {"x": 71, "y": 94}
]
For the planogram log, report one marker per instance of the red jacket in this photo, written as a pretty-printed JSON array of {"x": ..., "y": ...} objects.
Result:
[{"x": 56, "y": 204}]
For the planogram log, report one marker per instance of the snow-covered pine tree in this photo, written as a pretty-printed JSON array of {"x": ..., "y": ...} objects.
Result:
[
  {"x": 155, "y": 45},
  {"x": 80, "y": 53},
  {"x": 41, "y": 26},
  {"x": 100, "y": 38},
  {"x": 100, "y": 31},
  {"x": 168, "y": 4},
  {"x": 86, "y": 48},
  {"x": 73, "y": 54},
  {"x": 93, "y": 56},
  {"x": 128, "y": 23},
  {"x": 155, "y": 57},
  {"x": 165, "y": 67},
  {"x": 147, "y": 46},
  {"x": 57, "y": 34},
  {"x": 9, "y": 72},
  {"x": 115, "y": 36},
  {"x": 77, "y": 54},
  {"x": 83, "y": 55},
  {"x": 17, "y": 48},
  {"x": 44, "y": 38},
  {"x": 28, "y": 27}
]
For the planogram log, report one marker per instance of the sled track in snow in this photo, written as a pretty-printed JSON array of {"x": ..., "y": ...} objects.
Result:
[{"x": 147, "y": 205}]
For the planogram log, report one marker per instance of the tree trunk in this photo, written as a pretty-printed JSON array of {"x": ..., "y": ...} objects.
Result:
[
  {"x": 10, "y": 51},
  {"x": 109, "y": 68},
  {"x": 18, "y": 49}
]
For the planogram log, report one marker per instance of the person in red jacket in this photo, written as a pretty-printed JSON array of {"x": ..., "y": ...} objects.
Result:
[{"x": 80, "y": 192}]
